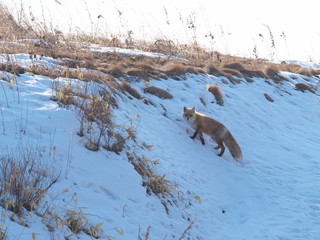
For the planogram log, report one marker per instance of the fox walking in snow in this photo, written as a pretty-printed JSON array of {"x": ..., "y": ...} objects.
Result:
[{"x": 215, "y": 129}]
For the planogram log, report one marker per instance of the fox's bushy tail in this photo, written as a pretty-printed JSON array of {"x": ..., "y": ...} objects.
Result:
[{"x": 233, "y": 146}]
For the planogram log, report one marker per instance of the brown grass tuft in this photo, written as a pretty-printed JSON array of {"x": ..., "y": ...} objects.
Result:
[
  {"x": 114, "y": 70},
  {"x": 216, "y": 90},
  {"x": 161, "y": 93},
  {"x": 118, "y": 143},
  {"x": 253, "y": 73},
  {"x": 175, "y": 69},
  {"x": 272, "y": 72},
  {"x": 212, "y": 70},
  {"x": 304, "y": 87},
  {"x": 125, "y": 86},
  {"x": 268, "y": 97},
  {"x": 233, "y": 72},
  {"x": 136, "y": 72},
  {"x": 235, "y": 66},
  {"x": 45, "y": 71},
  {"x": 12, "y": 68}
]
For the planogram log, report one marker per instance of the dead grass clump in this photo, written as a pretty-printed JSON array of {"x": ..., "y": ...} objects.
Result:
[
  {"x": 161, "y": 93},
  {"x": 305, "y": 72},
  {"x": 216, "y": 90},
  {"x": 212, "y": 70},
  {"x": 77, "y": 222},
  {"x": 45, "y": 71},
  {"x": 239, "y": 70},
  {"x": 253, "y": 73},
  {"x": 315, "y": 72},
  {"x": 233, "y": 72},
  {"x": 235, "y": 66},
  {"x": 125, "y": 86},
  {"x": 91, "y": 77},
  {"x": 25, "y": 178},
  {"x": 89, "y": 64},
  {"x": 12, "y": 68},
  {"x": 113, "y": 70},
  {"x": 231, "y": 78},
  {"x": 116, "y": 142},
  {"x": 108, "y": 95},
  {"x": 175, "y": 69},
  {"x": 136, "y": 72},
  {"x": 270, "y": 99},
  {"x": 304, "y": 87},
  {"x": 151, "y": 68},
  {"x": 154, "y": 183},
  {"x": 163, "y": 46},
  {"x": 65, "y": 95},
  {"x": 272, "y": 72},
  {"x": 72, "y": 63}
]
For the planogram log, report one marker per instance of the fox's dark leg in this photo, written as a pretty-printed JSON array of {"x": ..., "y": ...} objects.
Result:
[
  {"x": 198, "y": 131},
  {"x": 202, "y": 139},
  {"x": 220, "y": 145}
]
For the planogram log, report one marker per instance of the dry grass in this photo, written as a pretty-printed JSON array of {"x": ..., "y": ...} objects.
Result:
[
  {"x": 234, "y": 66},
  {"x": 137, "y": 72},
  {"x": 9, "y": 28},
  {"x": 24, "y": 180},
  {"x": 115, "y": 70},
  {"x": 12, "y": 68},
  {"x": 117, "y": 144},
  {"x": 159, "y": 92},
  {"x": 216, "y": 90},
  {"x": 270, "y": 99},
  {"x": 233, "y": 72},
  {"x": 153, "y": 182},
  {"x": 175, "y": 69},
  {"x": 72, "y": 51},
  {"x": 126, "y": 87},
  {"x": 212, "y": 70},
  {"x": 304, "y": 87}
]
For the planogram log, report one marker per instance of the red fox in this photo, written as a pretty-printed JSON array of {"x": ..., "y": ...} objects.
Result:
[{"x": 216, "y": 130}]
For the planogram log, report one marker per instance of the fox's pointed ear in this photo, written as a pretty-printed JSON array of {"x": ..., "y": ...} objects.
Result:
[
  {"x": 184, "y": 108},
  {"x": 193, "y": 109}
]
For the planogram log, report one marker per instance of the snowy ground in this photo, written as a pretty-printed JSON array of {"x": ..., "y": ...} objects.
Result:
[{"x": 271, "y": 194}]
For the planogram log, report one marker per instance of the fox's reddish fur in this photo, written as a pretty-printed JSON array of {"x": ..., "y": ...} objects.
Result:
[{"x": 215, "y": 129}]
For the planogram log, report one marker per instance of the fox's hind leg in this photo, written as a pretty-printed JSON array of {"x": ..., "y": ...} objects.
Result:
[
  {"x": 222, "y": 149},
  {"x": 220, "y": 145}
]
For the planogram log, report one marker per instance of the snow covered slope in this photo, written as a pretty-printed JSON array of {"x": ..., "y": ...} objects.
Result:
[{"x": 271, "y": 194}]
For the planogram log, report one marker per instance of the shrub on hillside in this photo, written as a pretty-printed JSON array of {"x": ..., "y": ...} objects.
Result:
[{"x": 25, "y": 177}]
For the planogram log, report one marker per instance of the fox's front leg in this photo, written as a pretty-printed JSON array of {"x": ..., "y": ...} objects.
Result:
[
  {"x": 201, "y": 138},
  {"x": 196, "y": 133}
]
